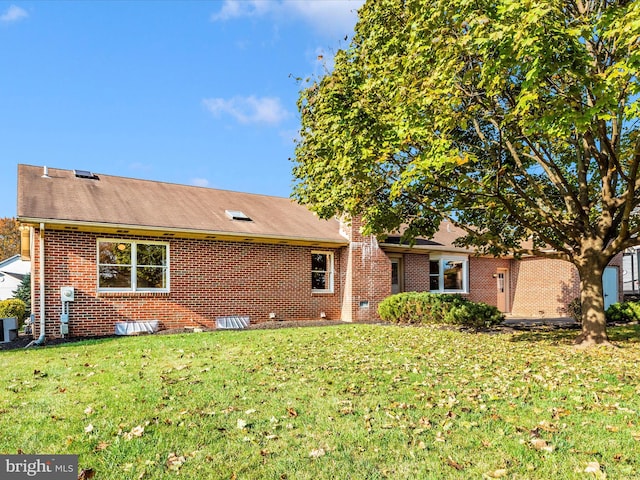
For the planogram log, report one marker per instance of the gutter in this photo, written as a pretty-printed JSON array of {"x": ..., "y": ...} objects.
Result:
[
  {"x": 238, "y": 236},
  {"x": 42, "y": 336}
]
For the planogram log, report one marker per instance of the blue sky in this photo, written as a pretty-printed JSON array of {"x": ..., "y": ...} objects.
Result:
[{"x": 192, "y": 92}]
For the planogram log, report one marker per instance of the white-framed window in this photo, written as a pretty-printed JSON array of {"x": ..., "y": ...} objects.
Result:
[
  {"x": 133, "y": 266},
  {"x": 322, "y": 272},
  {"x": 449, "y": 273}
]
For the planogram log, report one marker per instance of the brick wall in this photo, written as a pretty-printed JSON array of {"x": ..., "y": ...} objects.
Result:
[
  {"x": 483, "y": 287},
  {"x": 208, "y": 279},
  {"x": 366, "y": 274},
  {"x": 543, "y": 287},
  {"x": 416, "y": 272}
]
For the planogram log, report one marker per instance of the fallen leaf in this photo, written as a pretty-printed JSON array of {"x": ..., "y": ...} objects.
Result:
[
  {"x": 174, "y": 462},
  {"x": 241, "y": 424},
  {"x": 86, "y": 474},
  {"x": 452, "y": 463},
  {"x": 135, "y": 432},
  {"x": 542, "y": 445},
  {"x": 499, "y": 473},
  {"x": 101, "y": 446},
  {"x": 292, "y": 412},
  {"x": 88, "y": 410},
  {"x": 88, "y": 428},
  {"x": 592, "y": 467},
  {"x": 317, "y": 453}
]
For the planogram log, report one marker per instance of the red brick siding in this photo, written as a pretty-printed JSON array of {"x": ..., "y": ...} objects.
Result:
[
  {"x": 416, "y": 272},
  {"x": 543, "y": 287},
  {"x": 208, "y": 279},
  {"x": 483, "y": 287},
  {"x": 367, "y": 275}
]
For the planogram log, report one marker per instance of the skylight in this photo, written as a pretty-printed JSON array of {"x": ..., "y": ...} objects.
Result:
[
  {"x": 237, "y": 215},
  {"x": 84, "y": 174}
]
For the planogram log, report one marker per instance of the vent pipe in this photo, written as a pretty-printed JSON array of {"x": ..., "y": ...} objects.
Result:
[{"x": 45, "y": 173}]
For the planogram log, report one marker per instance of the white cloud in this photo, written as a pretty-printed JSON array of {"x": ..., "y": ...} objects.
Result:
[
  {"x": 329, "y": 17},
  {"x": 200, "y": 182},
  {"x": 265, "y": 110},
  {"x": 13, "y": 14},
  {"x": 245, "y": 8}
]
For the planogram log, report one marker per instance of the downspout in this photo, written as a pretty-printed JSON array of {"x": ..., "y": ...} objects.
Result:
[{"x": 42, "y": 336}]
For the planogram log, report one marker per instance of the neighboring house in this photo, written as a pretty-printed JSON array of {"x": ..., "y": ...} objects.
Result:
[
  {"x": 12, "y": 271},
  {"x": 137, "y": 250}
]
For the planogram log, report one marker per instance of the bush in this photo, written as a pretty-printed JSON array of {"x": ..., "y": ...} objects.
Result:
[
  {"x": 430, "y": 308},
  {"x": 475, "y": 315},
  {"x": 13, "y": 307},
  {"x": 574, "y": 309},
  {"x": 623, "y": 312},
  {"x": 23, "y": 292}
]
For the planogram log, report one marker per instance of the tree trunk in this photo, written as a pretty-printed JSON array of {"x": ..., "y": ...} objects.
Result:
[{"x": 594, "y": 322}]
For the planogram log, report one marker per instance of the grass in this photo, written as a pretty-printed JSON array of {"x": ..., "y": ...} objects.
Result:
[{"x": 347, "y": 402}]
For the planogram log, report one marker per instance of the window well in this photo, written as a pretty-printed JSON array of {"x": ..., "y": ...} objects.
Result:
[{"x": 237, "y": 215}]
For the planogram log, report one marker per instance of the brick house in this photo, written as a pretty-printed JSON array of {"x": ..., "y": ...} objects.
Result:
[{"x": 136, "y": 250}]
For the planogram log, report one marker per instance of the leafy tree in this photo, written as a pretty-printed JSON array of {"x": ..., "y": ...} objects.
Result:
[
  {"x": 516, "y": 120},
  {"x": 9, "y": 238}
]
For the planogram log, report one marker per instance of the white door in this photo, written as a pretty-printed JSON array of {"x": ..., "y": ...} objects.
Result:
[
  {"x": 610, "y": 286},
  {"x": 502, "y": 279}
]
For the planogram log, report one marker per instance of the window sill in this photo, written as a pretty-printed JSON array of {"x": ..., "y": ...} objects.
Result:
[
  {"x": 104, "y": 294},
  {"x": 451, "y": 292},
  {"x": 322, "y": 292}
]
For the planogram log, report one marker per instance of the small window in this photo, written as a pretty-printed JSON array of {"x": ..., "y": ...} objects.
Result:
[
  {"x": 237, "y": 215},
  {"x": 129, "y": 266},
  {"x": 322, "y": 272},
  {"x": 85, "y": 174},
  {"x": 449, "y": 274}
]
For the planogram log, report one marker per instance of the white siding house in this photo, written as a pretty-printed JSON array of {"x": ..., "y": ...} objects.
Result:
[{"x": 12, "y": 271}]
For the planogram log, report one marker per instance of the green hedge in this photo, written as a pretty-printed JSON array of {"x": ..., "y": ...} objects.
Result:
[
  {"x": 623, "y": 312},
  {"x": 434, "y": 308},
  {"x": 13, "y": 307}
]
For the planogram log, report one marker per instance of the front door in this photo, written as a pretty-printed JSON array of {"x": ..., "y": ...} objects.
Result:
[
  {"x": 502, "y": 285},
  {"x": 397, "y": 275},
  {"x": 610, "y": 286}
]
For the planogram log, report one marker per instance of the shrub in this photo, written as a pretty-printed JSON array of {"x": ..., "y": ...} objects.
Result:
[
  {"x": 475, "y": 315},
  {"x": 623, "y": 312},
  {"x": 574, "y": 309},
  {"x": 23, "y": 292},
  {"x": 425, "y": 307},
  {"x": 13, "y": 307}
]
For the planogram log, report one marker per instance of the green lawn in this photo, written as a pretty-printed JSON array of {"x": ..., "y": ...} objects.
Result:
[{"x": 341, "y": 402}]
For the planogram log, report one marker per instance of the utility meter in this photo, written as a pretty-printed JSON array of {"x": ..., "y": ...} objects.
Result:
[{"x": 67, "y": 294}]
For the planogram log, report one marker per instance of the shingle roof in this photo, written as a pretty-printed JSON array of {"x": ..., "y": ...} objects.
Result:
[
  {"x": 107, "y": 200},
  {"x": 443, "y": 241}
]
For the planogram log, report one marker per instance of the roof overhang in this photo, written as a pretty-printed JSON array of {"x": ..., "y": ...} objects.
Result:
[
  {"x": 169, "y": 233},
  {"x": 422, "y": 249}
]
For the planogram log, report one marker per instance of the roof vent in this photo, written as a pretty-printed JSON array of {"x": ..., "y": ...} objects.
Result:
[
  {"x": 85, "y": 174},
  {"x": 237, "y": 215},
  {"x": 45, "y": 172}
]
